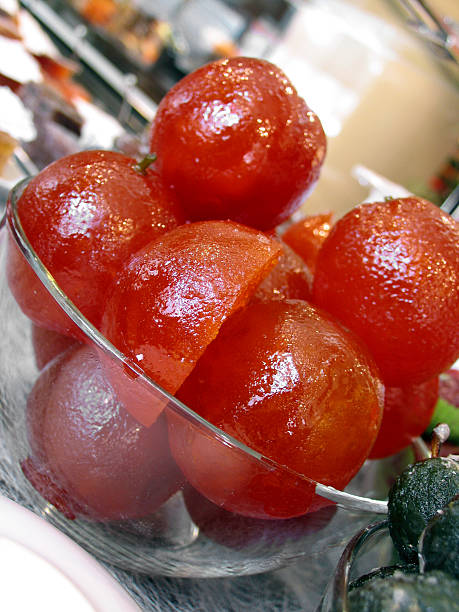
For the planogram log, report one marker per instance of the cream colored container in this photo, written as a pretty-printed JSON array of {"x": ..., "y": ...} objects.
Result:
[{"x": 385, "y": 101}]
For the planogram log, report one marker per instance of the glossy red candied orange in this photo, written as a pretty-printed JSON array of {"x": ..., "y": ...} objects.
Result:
[
  {"x": 288, "y": 382},
  {"x": 84, "y": 215},
  {"x": 171, "y": 298},
  {"x": 407, "y": 414},
  {"x": 289, "y": 279},
  {"x": 306, "y": 235},
  {"x": 236, "y": 141},
  {"x": 390, "y": 272},
  {"x": 88, "y": 455}
]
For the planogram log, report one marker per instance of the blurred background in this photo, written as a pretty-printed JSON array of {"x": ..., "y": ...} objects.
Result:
[{"x": 382, "y": 75}]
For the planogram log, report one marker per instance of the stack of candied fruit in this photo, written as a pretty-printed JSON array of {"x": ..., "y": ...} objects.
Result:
[{"x": 317, "y": 346}]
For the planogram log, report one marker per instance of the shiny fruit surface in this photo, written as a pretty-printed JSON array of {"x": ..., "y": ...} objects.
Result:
[
  {"x": 83, "y": 215},
  {"x": 287, "y": 381},
  {"x": 407, "y": 414},
  {"x": 236, "y": 141},
  {"x": 307, "y": 235},
  {"x": 390, "y": 272},
  {"x": 171, "y": 298},
  {"x": 289, "y": 279},
  {"x": 106, "y": 465},
  {"x": 419, "y": 492}
]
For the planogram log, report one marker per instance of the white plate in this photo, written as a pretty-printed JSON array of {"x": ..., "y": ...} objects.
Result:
[{"x": 42, "y": 569}]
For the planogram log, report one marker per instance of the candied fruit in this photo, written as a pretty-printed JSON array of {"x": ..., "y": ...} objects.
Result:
[
  {"x": 88, "y": 451},
  {"x": 306, "y": 236},
  {"x": 407, "y": 414},
  {"x": 287, "y": 381},
  {"x": 236, "y": 141},
  {"x": 171, "y": 298},
  {"x": 84, "y": 214},
  {"x": 390, "y": 272}
]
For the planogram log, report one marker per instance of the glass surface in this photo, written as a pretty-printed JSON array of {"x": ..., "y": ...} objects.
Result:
[
  {"x": 368, "y": 549},
  {"x": 186, "y": 535}
]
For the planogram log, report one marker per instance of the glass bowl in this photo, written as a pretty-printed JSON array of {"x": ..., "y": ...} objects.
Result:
[
  {"x": 181, "y": 533},
  {"x": 371, "y": 547}
]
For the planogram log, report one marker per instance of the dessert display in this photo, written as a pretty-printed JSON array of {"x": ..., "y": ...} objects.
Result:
[{"x": 198, "y": 367}]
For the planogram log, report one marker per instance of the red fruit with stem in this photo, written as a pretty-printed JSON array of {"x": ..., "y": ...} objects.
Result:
[
  {"x": 171, "y": 298},
  {"x": 236, "y": 141},
  {"x": 88, "y": 455},
  {"x": 407, "y": 414},
  {"x": 287, "y": 381},
  {"x": 389, "y": 271},
  {"x": 84, "y": 215}
]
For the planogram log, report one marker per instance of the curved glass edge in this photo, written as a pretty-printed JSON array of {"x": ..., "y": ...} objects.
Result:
[
  {"x": 335, "y": 598},
  {"x": 347, "y": 500}
]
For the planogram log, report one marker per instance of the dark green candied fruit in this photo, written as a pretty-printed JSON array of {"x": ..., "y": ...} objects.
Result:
[
  {"x": 439, "y": 542},
  {"x": 433, "y": 591},
  {"x": 418, "y": 493}
]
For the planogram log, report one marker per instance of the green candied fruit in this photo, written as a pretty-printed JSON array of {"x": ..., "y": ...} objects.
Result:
[
  {"x": 417, "y": 494},
  {"x": 439, "y": 542},
  {"x": 434, "y": 591}
]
